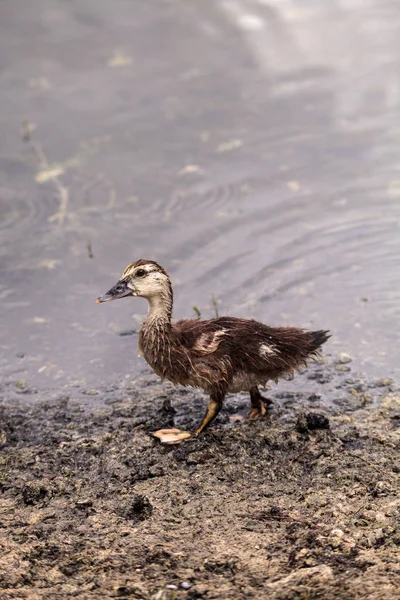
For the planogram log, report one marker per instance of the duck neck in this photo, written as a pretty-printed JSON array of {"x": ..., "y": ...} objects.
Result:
[
  {"x": 154, "y": 338},
  {"x": 159, "y": 313}
]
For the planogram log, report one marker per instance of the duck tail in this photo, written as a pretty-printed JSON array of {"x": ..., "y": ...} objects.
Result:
[{"x": 318, "y": 338}]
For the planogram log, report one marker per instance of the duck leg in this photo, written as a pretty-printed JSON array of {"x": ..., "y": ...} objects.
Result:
[
  {"x": 258, "y": 402},
  {"x": 176, "y": 436},
  {"x": 214, "y": 406}
]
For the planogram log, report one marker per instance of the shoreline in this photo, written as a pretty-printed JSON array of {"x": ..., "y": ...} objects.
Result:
[{"x": 93, "y": 507}]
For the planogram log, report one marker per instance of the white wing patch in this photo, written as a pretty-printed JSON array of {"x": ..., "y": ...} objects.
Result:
[
  {"x": 267, "y": 351},
  {"x": 207, "y": 343}
]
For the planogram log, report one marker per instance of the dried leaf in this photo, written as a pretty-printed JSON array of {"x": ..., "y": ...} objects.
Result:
[{"x": 171, "y": 436}]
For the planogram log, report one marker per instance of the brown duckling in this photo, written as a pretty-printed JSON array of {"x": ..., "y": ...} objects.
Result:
[{"x": 221, "y": 355}]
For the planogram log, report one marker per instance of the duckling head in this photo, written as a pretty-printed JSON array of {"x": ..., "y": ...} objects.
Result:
[{"x": 144, "y": 278}]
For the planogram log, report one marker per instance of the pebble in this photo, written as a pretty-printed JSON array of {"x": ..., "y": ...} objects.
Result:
[
  {"x": 336, "y": 537},
  {"x": 382, "y": 488},
  {"x": 312, "y": 421},
  {"x": 186, "y": 585},
  {"x": 343, "y": 359},
  {"x": 86, "y": 503},
  {"x": 383, "y": 382},
  {"x": 171, "y": 586}
]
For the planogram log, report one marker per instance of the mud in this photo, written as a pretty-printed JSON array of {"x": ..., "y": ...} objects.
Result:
[{"x": 93, "y": 507}]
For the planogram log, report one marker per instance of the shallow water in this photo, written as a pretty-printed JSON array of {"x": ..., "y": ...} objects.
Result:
[{"x": 250, "y": 147}]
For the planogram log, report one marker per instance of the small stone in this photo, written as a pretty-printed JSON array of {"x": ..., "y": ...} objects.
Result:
[
  {"x": 342, "y": 368},
  {"x": 171, "y": 586},
  {"x": 186, "y": 585},
  {"x": 317, "y": 421},
  {"x": 312, "y": 421},
  {"x": 383, "y": 382},
  {"x": 343, "y": 359},
  {"x": 336, "y": 538},
  {"x": 85, "y": 503}
]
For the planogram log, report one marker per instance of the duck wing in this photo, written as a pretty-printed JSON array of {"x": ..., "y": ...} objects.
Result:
[
  {"x": 250, "y": 343},
  {"x": 204, "y": 337}
]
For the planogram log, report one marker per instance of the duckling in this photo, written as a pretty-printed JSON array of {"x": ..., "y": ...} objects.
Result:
[{"x": 221, "y": 356}]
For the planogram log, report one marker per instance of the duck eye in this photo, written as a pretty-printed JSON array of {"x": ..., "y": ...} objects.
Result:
[{"x": 140, "y": 273}]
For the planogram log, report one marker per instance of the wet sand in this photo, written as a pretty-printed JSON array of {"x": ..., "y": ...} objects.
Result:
[{"x": 93, "y": 507}]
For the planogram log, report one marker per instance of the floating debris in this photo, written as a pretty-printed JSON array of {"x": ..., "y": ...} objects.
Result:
[
  {"x": 119, "y": 59},
  {"x": 39, "y": 320},
  {"x": 228, "y": 146},
  {"x": 294, "y": 186},
  {"x": 49, "y": 173},
  {"x": 191, "y": 169}
]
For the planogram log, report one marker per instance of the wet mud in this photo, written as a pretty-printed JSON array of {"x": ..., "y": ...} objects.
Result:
[{"x": 303, "y": 504}]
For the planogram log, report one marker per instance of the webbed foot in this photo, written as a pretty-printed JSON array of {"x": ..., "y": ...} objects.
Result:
[
  {"x": 259, "y": 405},
  {"x": 257, "y": 413}
]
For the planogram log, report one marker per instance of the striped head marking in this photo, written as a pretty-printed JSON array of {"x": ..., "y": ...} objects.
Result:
[{"x": 143, "y": 278}]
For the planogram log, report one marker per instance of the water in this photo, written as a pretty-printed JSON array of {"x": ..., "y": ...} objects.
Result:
[{"x": 250, "y": 147}]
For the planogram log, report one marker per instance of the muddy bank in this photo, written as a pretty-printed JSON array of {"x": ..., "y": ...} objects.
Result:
[{"x": 93, "y": 507}]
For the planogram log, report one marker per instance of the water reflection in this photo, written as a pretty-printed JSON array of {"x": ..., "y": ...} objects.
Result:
[{"x": 251, "y": 147}]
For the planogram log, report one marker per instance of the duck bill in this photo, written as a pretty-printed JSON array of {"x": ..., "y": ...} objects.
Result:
[{"x": 120, "y": 290}]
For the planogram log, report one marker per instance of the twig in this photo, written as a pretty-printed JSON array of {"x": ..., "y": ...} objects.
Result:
[
  {"x": 315, "y": 442},
  {"x": 64, "y": 199},
  {"x": 361, "y": 507}
]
